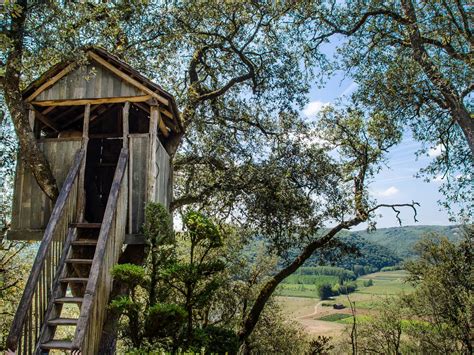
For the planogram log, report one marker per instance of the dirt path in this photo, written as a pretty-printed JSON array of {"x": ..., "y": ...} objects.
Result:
[
  {"x": 313, "y": 326},
  {"x": 315, "y": 312}
]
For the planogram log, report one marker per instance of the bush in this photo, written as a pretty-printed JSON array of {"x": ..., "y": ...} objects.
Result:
[
  {"x": 164, "y": 320},
  {"x": 129, "y": 274},
  {"x": 325, "y": 291},
  {"x": 368, "y": 283},
  {"x": 345, "y": 289}
]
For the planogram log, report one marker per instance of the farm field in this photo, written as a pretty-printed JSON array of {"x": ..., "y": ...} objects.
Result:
[{"x": 319, "y": 318}]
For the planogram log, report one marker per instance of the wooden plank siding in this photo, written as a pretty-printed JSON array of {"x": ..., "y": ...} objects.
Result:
[
  {"x": 31, "y": 207},
  {"x": 139, "y": 156},
  {"x": 89, "y": 82}
]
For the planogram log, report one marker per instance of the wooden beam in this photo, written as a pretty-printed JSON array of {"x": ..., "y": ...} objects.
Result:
[
  {"x": 78, "y": 117},
  {"x": 45, "y": 120},
  {"x": 127, "y": 78},
  {"x": 163, "y": 128},
  {"x": 81, "y": 102},
  {"x": 85, "y": 125},
  {"x": 48, "y": 110},
  {"x": 125, "y": 112},
  {"x": 51, "y": 81},
  {"x": 151, "y": 163},
  {"x": 81, "y": 200}
]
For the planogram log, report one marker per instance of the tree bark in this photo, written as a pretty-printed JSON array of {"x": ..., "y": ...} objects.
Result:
[
  {"x": 133, "y": 254},
  {"x": 270, "y": 286},
  {"x": 29, "y": 149},
  {"x": 454, "y": 101}
]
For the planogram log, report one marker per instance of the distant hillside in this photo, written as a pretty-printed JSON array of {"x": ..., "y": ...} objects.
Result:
[{"x": 400, "y": 240}]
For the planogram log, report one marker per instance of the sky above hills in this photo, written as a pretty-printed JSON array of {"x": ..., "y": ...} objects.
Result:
[{"x": 396, "y": 183}]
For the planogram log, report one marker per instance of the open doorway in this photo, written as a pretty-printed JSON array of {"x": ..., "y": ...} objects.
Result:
[{"x": 103, "y": 150}]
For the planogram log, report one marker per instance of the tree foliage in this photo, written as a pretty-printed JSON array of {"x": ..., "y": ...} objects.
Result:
[
  {"x": 411, "y": 60},
  {"x": 437, "y": 316}
]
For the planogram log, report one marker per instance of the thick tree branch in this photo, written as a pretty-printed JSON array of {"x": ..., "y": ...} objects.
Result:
[
  {"x": 30, "y": 151},
  {"x": 459, "y": 112}
]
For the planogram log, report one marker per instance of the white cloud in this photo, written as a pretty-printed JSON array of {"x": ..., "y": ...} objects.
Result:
[
  {"x": 314, "y": 107},
  {"x": 391, "y": 191},
  {"x": 435, "y": 152}
]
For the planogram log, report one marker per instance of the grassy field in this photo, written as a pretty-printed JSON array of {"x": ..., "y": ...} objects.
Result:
[
  {"x": 299, "y": 301},
  {"x": 304, "y": 285},
  {"x": 384, "y": 284}
]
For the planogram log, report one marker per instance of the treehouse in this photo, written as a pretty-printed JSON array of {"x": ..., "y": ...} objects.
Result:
[{"x": 103, "y": 128}]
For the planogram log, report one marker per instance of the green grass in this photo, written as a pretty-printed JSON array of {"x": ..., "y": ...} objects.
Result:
[
  {"x": 335, "y": 317},
  {"x": 388, "y": 283},
  {"x": 310, "y": 279},
  {"x": 349, "y": 320},
  {"x": 304, "y": 285}
]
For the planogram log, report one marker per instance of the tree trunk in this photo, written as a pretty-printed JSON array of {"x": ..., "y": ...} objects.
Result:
[
  {"x": 29, "y": 149},
  {"x": 133, "y": 254},
  {"x": 268, "y": 289},
  {"x": 459, "y": 112}
]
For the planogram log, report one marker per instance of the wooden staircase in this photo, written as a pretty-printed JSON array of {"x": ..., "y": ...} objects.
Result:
[
  {"x": 71, "y": 284},
  {"x": 72, "y": 267}
]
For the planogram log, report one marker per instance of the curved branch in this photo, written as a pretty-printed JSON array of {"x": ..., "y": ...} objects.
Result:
[{"x": 395, "y": 207}]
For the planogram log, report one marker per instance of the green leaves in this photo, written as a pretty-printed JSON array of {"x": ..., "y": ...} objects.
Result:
[
  {"x": 201, "y": 229},
  {"x": 129, "y": 274},
  {"x": 158, "y": 226}
]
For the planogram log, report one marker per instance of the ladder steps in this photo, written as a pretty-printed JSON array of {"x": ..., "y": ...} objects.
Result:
[
  {"x": 74, "y": 280},
  {"x": 86, "y": 225},
  {"x": 57, "y": 344},
  {"x": 62, "y": 321},
  {"x": 85, "y": 242},
  {"x": 79, "y": 261},
  {"x": 68, "y": 300}
]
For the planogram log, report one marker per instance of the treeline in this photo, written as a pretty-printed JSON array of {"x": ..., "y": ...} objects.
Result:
[{"x": 339, "y": 272}]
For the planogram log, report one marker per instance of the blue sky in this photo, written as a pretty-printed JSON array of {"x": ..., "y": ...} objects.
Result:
[{"x": 396, "y": 183}]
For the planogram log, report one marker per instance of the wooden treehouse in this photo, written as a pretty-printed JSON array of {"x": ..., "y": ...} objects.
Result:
[{"x": 103, "y": 128}]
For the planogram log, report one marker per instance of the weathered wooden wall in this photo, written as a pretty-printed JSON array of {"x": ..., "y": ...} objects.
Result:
[
  {"x": 163, "y": 174},
  {"x": 31, "y": 207},
  {"x": 139, "y": 152},
  {"x": 91, "y": 81}
]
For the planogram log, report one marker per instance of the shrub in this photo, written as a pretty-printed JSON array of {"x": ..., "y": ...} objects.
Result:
[
  {"x": 164, "y": 320},
  {"x": 129, "y": 274},
  {"x": 345, "y": 289},
  {"x": 324, "y": 291},
  {"x": 368, "y": 283}
]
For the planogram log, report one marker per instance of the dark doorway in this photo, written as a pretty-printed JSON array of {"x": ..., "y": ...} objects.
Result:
[
  {"x": 103, "y": 150},
  {"x": 102, "y": 157}
]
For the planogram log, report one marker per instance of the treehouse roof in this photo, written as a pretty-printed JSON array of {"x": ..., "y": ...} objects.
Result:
[{"x": 103, "y": 81}]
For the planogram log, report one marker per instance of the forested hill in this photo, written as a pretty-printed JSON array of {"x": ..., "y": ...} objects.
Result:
[
  {"x": 381, "y": 248},
  {"x": 400, "y": 240}
]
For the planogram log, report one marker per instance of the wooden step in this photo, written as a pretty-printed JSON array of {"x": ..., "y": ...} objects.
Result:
[
  {"x": 68, "y": 300},
  {"x": 57, "y": 344},
  {"x": 79, "y": 261},
  {"x": 86, "y": 225},
  {"x": 85, "y": 242},
  {"x": 62, "y": 321},
  {"x": 74, "y": 280}
]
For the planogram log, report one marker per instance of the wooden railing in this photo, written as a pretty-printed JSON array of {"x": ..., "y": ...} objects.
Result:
[
  {"x": 111, "y": 238},
  {"x": 29, "y": 317}
]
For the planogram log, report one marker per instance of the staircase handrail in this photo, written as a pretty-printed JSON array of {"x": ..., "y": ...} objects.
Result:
[
  {"x": 31, "y": 285},
  {"x": 109, "y": 245}
]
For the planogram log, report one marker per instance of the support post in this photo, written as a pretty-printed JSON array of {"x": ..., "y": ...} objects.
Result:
[
  {"x": 125, "y": 113},
  {"x": 81, "y": 203},
  {"x": 151, "y": 164},
  {"x": 125, "y": 144}
]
